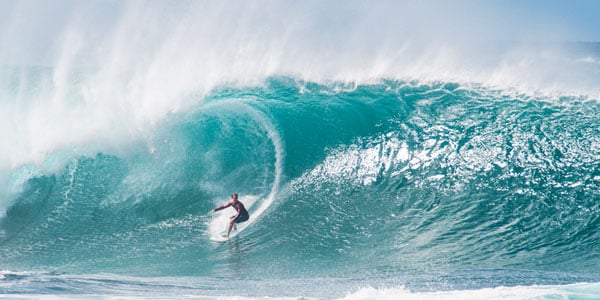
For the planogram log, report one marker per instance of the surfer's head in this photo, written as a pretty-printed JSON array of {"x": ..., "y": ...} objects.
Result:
[{"x": 234, "y": 196}]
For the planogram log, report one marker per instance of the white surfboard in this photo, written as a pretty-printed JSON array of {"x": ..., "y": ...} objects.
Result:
[{"x": 219, "y": 237}]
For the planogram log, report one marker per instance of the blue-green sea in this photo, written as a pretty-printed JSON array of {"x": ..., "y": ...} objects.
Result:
[
  {"x": 367, "y": 175},
  {"x": 392, "y": 185}
]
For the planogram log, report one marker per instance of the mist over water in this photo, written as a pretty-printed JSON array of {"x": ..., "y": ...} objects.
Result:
[
  {"x": 116, "y": 69},
  {"x": 394, "y": 148}
]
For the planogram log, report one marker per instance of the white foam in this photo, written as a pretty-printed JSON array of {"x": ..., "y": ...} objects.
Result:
[{"x": 579, "y": 290}]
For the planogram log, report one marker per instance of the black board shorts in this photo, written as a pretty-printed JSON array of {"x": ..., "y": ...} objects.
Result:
[{"x": 241, "y": 218}]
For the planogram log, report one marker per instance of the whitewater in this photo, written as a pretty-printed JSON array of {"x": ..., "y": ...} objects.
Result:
[{"x": 382, "y": 155}]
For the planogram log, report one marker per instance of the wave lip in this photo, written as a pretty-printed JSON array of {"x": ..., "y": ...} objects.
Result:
[{"x": 117, "y": 91}]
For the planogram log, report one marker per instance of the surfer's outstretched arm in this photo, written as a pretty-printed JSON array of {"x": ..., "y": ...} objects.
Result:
[{"x": 226, "y": 205}]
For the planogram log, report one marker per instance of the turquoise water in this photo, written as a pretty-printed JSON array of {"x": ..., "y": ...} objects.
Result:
[
  {"x": 386, "y": 150},
  {"x": 387, "y": 189}
]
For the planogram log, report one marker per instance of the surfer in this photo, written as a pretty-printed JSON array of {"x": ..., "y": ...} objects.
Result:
[{"x": 241, "y": 216}]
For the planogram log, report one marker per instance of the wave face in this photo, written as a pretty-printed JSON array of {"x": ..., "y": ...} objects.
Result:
[{"x": 393, "y": 179}]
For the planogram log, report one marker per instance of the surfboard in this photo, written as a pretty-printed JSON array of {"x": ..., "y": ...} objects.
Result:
[
  {"x": 219, "y": 237},
  {"x": 219, "y": 222}
]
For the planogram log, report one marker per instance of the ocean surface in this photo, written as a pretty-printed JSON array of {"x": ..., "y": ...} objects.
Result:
[
  {"x": 382, "y": 179},
  {"x": 379, "y": 190}
]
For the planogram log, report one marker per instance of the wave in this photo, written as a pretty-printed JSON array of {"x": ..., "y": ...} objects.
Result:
[
  {"x": 391, "y": 155},
  {"x": 386, "y": 178},
  {"x": 582, "y": 290},
  {"x": 117, "y": 80},
  {"x": 70, "y": 286}
]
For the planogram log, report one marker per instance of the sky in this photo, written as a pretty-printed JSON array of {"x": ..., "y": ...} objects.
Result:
[
  {"x": 579, "y": 19},
  {"x": 32, "y": 28}
]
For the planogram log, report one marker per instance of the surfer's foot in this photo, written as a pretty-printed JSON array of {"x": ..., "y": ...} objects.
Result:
[{"x": 225, "y": 236}]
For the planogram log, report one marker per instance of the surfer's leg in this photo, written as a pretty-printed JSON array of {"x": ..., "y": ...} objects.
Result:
[
  {"x": 238, "y": 219},
  {"x": 229, "y": 229}
]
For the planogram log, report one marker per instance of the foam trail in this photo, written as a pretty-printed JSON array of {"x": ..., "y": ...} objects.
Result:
[{"x": 275, "y": 138}]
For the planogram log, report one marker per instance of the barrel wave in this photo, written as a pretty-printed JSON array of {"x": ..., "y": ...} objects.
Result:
[{"x": 387, "y": 182}]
